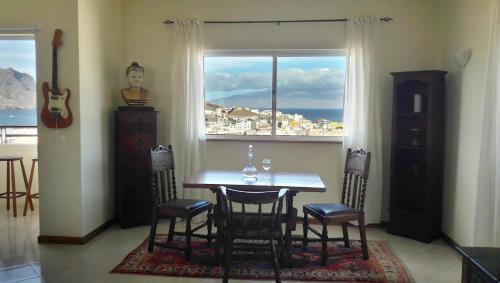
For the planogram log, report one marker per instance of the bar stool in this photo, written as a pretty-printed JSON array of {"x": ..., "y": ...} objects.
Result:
[
  {"x": 29, "y": 195},
  {"x": 11, "y": 182}
]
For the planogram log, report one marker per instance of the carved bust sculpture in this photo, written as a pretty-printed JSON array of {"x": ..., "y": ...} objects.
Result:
[{"x": 135, "y": 94}]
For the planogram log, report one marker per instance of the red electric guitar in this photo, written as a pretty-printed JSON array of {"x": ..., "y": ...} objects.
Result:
[{"x": 56, "y": 112}]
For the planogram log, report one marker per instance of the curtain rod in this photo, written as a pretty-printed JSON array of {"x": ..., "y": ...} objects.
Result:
[{"x": 278, "y": 22}]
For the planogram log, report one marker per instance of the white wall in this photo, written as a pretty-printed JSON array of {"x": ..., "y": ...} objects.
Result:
[
  {"x": 75, "y": 172},
  {"x": 410, "y": 42},
  {"x": 59, "y": 150},
  {"x": 100, "y": 49},
  {"x": 466, "y": 25}
]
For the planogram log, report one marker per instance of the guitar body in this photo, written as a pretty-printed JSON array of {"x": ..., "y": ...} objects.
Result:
[{"x": 56, "y": 112}]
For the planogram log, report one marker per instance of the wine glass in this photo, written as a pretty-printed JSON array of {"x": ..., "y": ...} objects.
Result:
[{"x": 266, "y": 165}]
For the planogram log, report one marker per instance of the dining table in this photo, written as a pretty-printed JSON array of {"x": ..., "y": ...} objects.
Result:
[{"x": 296, "y": 182}]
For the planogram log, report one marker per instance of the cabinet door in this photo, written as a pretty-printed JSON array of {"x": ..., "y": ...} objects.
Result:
[{"x": 135, "y": 197}]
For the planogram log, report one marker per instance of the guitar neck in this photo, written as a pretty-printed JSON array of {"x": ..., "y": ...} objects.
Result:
[{"x": 54, "y": 70}]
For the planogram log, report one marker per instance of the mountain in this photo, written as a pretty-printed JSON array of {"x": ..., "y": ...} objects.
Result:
[
  {"x": 17, "y": 90},
  {"x": 254, "y": 100}
]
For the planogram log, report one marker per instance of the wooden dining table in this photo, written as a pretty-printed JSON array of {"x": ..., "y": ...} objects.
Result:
[{"x": 296, "y": 182}]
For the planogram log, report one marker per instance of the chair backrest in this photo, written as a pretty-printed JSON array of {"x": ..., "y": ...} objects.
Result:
[
  {"x": 163, "y": 174},
  {"x": 234, "y": 199},
  {"x": 357, "y": 167}
]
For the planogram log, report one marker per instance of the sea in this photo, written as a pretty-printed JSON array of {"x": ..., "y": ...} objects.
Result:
[
  {"x": 27, "y": 117},
  {"x": 334, "y": 115},
  {"x": 18, "y": 117}
]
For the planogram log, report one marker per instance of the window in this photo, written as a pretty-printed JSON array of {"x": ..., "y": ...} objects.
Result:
[
  {"x": 307, "y": 101},
  {"x": 18, "y": 118}
]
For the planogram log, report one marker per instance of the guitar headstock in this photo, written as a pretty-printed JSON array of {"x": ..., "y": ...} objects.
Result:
[{"x": 57, "y": 42}]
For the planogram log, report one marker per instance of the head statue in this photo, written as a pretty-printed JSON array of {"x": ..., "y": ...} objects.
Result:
[{"x": 135, "y": 75}]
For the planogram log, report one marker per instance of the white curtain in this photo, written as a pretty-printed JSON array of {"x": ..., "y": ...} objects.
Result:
[
  {"x": 361, "y": 106},
  {"x": 487, "y": 218},
  {"x": 186, "y": 109}
]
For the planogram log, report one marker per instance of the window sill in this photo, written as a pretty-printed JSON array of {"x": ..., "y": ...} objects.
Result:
[{"x": 337, "y": 139}]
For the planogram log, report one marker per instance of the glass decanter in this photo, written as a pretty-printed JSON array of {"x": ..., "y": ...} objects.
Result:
[{"x": 250, "y": 171}]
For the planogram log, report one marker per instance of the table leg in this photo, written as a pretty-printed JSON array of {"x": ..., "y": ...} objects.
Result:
[
  {"x": 217, "y": 258},
  {"x": 290, "y": 225},
  {"x": 219, "y": 223}
]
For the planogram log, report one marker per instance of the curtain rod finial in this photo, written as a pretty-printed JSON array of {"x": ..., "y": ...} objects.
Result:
[
  {"x": 169, "y": 22},
  {"x": 386, "y": 19}
]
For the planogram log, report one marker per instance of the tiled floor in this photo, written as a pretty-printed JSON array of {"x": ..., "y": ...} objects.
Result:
[{"x": 23, "y": 260}]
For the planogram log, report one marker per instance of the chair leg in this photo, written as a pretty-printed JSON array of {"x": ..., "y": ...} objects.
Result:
[
  {"x": 8, "y": 185},
  {"x": 228, "y": 251},
  {"x": 275, "y": 262},
  {"x": 305, "y": 227},
  {"x": 324, "y": 241},
  {"x": 152, "y": 233},
  {"x": 188, "y": 238},
  {"x": 209, "y": 226},
  {"x": 171, "y": 230},
  {"x": 281, "y": 251},
  {"x": 345, "y": 232},
  {"x": 362, "y": 234},
  {"x": 13, "y": 180}
]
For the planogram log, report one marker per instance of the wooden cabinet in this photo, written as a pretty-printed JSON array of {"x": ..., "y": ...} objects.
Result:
[
  {"x": 418, "y": 130},
  {"x": 480, "y": 265},
  {"x": 135, "y": 136}
]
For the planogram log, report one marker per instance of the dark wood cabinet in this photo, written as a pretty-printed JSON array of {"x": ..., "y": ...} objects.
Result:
[
  {"x": 418, "y": 129},
  {"x": 135, "y": 136}
]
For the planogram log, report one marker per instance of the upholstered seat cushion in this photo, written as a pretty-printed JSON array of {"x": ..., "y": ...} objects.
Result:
[
  {"x": 330, "y": 209},
  {"x": 182, "y": 205}
]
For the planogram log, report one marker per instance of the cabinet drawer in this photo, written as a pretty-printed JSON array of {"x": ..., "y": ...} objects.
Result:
[
  {"x": 137, "y": 117},
  {"x": 136, "y": 144},
  {"x": 137, "y": 128}
]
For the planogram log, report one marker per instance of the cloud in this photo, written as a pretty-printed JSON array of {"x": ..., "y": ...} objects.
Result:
[
  {"x": 297, "y": 88},
  {"x": 229, "y": 82}
]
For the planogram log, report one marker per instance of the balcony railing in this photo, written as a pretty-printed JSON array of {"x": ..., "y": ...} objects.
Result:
[{"x": 18, "y": 134}]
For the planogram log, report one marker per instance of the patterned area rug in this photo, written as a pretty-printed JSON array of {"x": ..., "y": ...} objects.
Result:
[{"x": 383, "y": 265}]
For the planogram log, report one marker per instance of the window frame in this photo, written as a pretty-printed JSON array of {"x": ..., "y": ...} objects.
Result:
[{"x": 274, "y": 53}]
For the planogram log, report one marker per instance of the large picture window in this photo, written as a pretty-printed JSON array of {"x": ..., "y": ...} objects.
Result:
[
  {"x": 18, "y": 119},
  {"x": 274, "y": 93}
]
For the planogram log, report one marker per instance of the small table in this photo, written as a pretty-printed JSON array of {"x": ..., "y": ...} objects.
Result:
[
  {"x": 480, "y": 264},
  {"x": 294, "y": 181}
]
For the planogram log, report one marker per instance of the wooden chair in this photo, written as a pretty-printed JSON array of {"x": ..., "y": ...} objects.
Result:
[
  {"x": 244, "y": 225},
  {"x": 29, "y": 195},
  {"x": 166, "y": 205},
  {"x": 11, "y": 193},
  {"x": 351, "y": 207}
]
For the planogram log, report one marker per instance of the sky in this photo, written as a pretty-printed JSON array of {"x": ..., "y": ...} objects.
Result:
[
  {"x": 302, "y": 82},
  {"x": 18, "y": 54}
]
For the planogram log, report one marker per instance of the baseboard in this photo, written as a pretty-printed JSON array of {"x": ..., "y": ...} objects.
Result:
[
  {"x": 75, "y": 240},
  {"x": 449, "y": 241}
]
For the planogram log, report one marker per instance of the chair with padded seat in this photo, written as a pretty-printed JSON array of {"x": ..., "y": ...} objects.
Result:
[
  {"x": 166, "y": 205},
  {"x": 241, "y": 224},
  {"x": 351, "y": 207}
]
